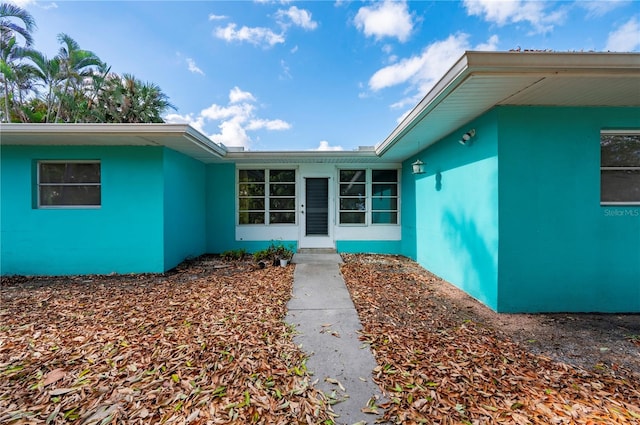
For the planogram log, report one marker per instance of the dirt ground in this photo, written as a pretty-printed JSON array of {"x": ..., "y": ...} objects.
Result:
[
  {"x": 443, "y": 357},
  {"x": 584, "y": 340},
  {"x": 600, "y": 341}
]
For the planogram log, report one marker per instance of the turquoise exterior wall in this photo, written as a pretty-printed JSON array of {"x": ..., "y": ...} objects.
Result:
[
  {"x": 221, "y": 206},
  {"x": 374, "y": 247},
  {"x": 559, "y": 249},
  {"x": 451, "y": 225},
  {"x": 184, "y": 208},
  {"x": 515, "y": 219},
  {"x": 124, "y": 235}
]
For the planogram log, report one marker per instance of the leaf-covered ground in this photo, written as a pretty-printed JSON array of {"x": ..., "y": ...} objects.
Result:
[
  {"x": 201, "y": 346},
  {"x": 438, "y": 364}
]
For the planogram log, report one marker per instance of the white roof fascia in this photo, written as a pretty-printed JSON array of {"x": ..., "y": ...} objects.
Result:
[
  {"x": 138, "y": 130},
  {"x": 296, "y": 156},
  {"x": 513, "y": 63}
]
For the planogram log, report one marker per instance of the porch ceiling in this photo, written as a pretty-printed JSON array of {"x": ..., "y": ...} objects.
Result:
[{"x": 482, "y": 80}]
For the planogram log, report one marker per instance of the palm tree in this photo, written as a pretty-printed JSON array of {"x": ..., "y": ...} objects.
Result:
[
  {"x": 14, "y": 74},
  {"x": 8, "y": 28},
  {"x": 127, "y": 99},
  {"x": 47, "y": 71},
  {"x": 10, "y": 51},
  {"x": 75, "y": 65}
]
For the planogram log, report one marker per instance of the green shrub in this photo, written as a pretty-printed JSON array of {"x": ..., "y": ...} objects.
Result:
[{"x": 234, "y": 254}]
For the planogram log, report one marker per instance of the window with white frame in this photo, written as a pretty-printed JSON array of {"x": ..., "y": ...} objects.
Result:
[
  {"x": 63, "y": 184},
  {"x": 266, "y": 196},
  {"x": 368, "y": 196},
  {"x": 620, "y": 167},
  {"x": 384, "y": 196}
]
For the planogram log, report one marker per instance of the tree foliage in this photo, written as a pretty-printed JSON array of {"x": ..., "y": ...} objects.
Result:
[{"x": 72, "y": 87}]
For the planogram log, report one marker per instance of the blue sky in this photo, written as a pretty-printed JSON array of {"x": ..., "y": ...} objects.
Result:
[{"x": 284, "y": 75}]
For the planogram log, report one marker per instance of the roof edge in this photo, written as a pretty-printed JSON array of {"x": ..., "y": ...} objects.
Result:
[
  {"x": 135, "y": 129},
  {"x": 475, "y": 62}
]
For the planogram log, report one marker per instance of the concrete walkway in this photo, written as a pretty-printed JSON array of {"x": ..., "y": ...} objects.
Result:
[{"x": 327, "y": 322}]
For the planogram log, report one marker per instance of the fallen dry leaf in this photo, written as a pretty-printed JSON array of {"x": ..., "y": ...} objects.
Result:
[
  {"x": 54, "y": 376},
  {"x": 201, "y": 345},
  {"x": 437, "y": 366}
]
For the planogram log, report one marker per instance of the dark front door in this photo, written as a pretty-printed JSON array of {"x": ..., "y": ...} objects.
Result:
[{"x": 317, "y": 209}]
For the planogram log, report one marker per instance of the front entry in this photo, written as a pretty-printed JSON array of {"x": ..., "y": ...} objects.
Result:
[{"x": 314, "y": 214}]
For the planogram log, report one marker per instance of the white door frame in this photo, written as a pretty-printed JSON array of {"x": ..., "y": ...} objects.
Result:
[{"x": 316, "y": 241}]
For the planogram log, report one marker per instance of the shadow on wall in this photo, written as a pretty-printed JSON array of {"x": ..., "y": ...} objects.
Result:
[{"x": 475, "y": 257}]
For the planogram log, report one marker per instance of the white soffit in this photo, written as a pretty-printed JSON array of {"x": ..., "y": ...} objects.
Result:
[{"x": 481, "y": 80}]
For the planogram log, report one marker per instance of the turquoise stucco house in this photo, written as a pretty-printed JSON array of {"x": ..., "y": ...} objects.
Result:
[{"x": 528, "y": 197}]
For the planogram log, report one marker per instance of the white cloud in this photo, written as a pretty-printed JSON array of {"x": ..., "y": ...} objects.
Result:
[
  {"x": 236, "y": 95},
  {"x": 22, "y": 3},
  {"x": 490, "y": 46},
  {"x": 601, "y": 7},
  {"x": 397, "y": 73},
  {"x": 191, "y": 64},
  {"x": 324, "y": 146},
  {"x": 386, "y": 19},
  {"x": 423, "y": 70},
  {"x": 233, "y": 120},
  {"x": 626, "y": 38},
  {"x": 503, "y": 12},
  {"x": 275, "y": 125},
  {"x": 299, "y": 17},
  {"x": 213, "y": 17},
  {"x": 217, "y": 112},
  {"x": 255, "y": 35},
  {"x": 286, "y": 71},
  {"x": 232, "y": 133},
  {"x": 432, "y": 63}
]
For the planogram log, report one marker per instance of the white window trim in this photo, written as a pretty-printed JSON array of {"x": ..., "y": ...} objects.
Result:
[
  {"x": 66, "y": 207},
  {"x": 266, "y": 196},
  {"x": 618, "y": 132},
  {"x": 368, "y": 221}
]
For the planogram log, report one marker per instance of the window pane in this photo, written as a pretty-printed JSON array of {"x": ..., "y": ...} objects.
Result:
[
  {"x": 70, "y": 172},
  {"x": 69, "y": 195},
  {"x": 282, "y": 217},
  {"x": 282, "y": 176},
  {"x": 385, "y": 189},
  {"x": 251, "y": 217},
  {"x": 384, "y": 204},
  {"x": 351, "y": 218},
  {"x": 251, "y": 189},
  {"x": 384, "y": 175},
  {"x": 354, "y": 204},
  {"x": 352, "y": 190},
  {"x": 352, "y": 175},
  {"x": 251, "y": 175},
  {"x": 282, "y": 203},
  {"x": 620, "y": 186},
  {"x": 618, "y": 150},
  {"x": 251, "y": 203},
  {"x": 282, "y": 189},
  {"x": 384, "y": 217}
]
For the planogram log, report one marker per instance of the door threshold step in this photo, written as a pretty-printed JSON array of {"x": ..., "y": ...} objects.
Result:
[{"x": 317, "y": 251}]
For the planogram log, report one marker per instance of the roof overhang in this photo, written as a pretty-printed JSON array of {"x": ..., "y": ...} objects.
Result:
[
  {"x": 478, "y": 81},
  {"x": 306, "y": 157},
  {"x": 179, "y": 137}
]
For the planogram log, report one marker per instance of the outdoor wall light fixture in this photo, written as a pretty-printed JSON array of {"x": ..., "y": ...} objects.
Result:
[
  {"x": 466, "y": 137},
  {"x": 417, "y": 167}
]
